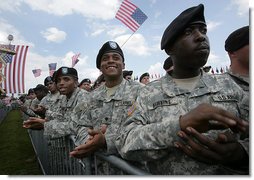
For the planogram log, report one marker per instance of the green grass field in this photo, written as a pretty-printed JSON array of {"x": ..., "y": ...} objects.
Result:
[{"x": 17, "y": 156}]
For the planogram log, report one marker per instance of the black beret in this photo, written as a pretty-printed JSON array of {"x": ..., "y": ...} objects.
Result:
[
  {"x": 47, "y": 79},
  {"x": 109, "y": 46},
  {"x": 143, "y": 75},
  {"x": 168, "y": 63},
  {"x": 65, "y": 71},
  {"x": 127, "y": 73},
  {"x": 85, "y": 80},
  {"x": 40, "y": 87},
  {"x": 182, "y": 21},
  {"x": 237, "y": 39}
]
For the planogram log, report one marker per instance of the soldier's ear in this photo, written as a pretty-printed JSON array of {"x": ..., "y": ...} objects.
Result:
[{"x": 76, "y": 83}]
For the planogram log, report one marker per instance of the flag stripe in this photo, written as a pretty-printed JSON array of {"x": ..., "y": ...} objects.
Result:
[
  {"x": 126, "y": 22},
  {"x": 130, "y": 15},
  {"x": 124, "y": 14},
  {"x": 22, "y": 88},
  {"x": 127, "y": 17},
  {"x": 14, "y": 72}
]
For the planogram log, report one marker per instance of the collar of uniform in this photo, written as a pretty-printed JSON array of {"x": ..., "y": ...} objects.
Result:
[
  {"x": 242, "y": 78},
  {"x": 119, "y": 92},
  {"x": 72, "y": 98},
  {"x": 206, "y": 80},
  {"x": 117, "y": 96},
  {"x": 169, "y": 86}
]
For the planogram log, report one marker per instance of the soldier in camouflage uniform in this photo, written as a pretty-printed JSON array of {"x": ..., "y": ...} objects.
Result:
[
  {"x": 59, "y": 123},
  {"x": 51, "y": 102},
  {"x": 67, "y": 84},
  {"x": 29, "y": 98},
  {"x": 40, "y": 91},
  {"x": 237, "y": 47},
  {"x": 186, "y": 98},
  {"x": 108, "y": 107}
]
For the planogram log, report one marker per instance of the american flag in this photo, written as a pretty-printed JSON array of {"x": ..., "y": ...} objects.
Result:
[
  {"x": 130, "y": 15},
  {"x": 14, "y": 71},
  {"x": 75, "y": 59},
  {"x": 5, "y": 56},
  {"x": 36, "y": 72},
  {"x": 52, "y": 68}
]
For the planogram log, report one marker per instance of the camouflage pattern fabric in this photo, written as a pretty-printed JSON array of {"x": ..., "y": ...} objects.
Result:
[
  {"x": 61, "y": 123},
  {"x": 111, "y": 111},
  {"x": 149, "y": 134}
]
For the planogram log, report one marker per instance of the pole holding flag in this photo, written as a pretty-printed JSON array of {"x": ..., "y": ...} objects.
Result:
[{"x": 130, "y": 15}]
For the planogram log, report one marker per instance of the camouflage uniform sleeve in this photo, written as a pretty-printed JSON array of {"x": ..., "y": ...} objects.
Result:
[
  {"x": 110, "y": 137},
  {"x": 80, "y": 123},
  {"x": 56, "y": 129},
  {"x": 110, "y": 141},
  {"x": 43, "y": 102},
  {"x": 141, "y": 140},
  {"x": 30, "y": 113}
]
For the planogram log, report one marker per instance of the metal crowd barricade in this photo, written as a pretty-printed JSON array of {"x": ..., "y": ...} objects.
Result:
[
  {"x": 4, "y": 109},
  {"x": 53, "y": 157}
]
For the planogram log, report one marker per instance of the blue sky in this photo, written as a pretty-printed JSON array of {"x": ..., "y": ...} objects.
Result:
[{"x": 55, "y": 30}]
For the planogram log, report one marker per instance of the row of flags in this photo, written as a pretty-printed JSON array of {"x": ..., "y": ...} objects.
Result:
[
  {"x": 221, "y": 70},
  {"x": 128, "y": 13},
  {"x": 52, "y": 66}
]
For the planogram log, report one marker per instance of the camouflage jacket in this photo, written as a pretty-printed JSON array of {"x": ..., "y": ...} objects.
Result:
[
  {"x": 52, "y": 104},
  {"x": 150, "y": 132},
  {"x": 242, "y": 81},
  {"x": 61, "y": 123},
  {"x": 110, "y": 111}
]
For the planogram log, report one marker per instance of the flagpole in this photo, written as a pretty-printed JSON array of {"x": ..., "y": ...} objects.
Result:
[{"x": 127, "y": 39}]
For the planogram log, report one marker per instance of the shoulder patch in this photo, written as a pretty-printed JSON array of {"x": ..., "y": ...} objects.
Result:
[{"x": 132, "y": 109}]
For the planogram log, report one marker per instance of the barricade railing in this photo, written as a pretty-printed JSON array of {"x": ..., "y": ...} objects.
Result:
[
  {"x": 54, "y": 159},
  {"x": 4, "y": 109}
]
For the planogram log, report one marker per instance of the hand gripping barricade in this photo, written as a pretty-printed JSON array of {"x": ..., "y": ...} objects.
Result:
[{"x": 53, "y": 157}]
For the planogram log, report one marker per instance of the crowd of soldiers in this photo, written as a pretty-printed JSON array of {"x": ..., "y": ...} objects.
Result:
[{"x": 186, "y": 123}]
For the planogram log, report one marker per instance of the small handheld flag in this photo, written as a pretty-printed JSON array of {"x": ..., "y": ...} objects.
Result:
[
  {"x": 130, "y": 15},
  {"x": 52, "y": 68},
  {"x": 75, "y": 59},
  {"x": 36, "y": 72}
]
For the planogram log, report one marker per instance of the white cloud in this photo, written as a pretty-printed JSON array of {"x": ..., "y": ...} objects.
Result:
[
  {"x": 211, "y": 25},
  {"x": 35, "y": 61},
  {"x": 156, "y": 68},
  {"x": 98, "y": 9},
  {"x": 157, "y": 14},
  {"x": 242, "y": 6},
  {"x": 10, "y": 5},
  {"x": 135, "y": 45},
  {"x": 7, "y": 29},
  {"x": 216, "y": 61},
  {"x": 97, "y": 32},
  {"x": 114, "y": 31},
  {"x": 54, "y": 35}
]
